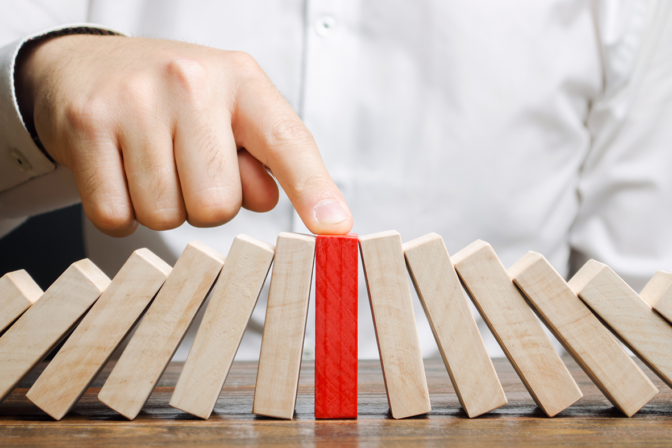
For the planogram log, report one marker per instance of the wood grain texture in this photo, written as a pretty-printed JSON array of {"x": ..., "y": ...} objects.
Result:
[
  {"x": 336, "y": 308},
  {"x": 18, "y": 291},
  {"x": 645, "y": 332},
  {"x": 233, "y": 299},
  {"x": 104, "y": 327},
  {"x": 284, "y": 326},
  {"x": 516, "y": 328},
  {"x": 454, "y": 327},
  {"x": 583, "y": 336},
  {"x": 394, "y": 322},
  {"x": 161, "y": 330},
  {"x": 658, "y": 294},
  {"x": 48, "y": 321},
  {"x": 593, "y": 421}
]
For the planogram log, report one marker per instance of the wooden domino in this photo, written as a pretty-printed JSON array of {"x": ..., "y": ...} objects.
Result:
[
  {"x": 284, "y": 326},
  {"x": 645, "y": 332},
  {"x": 233, "y": 299},
  {"x": 462, "y": 349},
  {"x": 394, "y": 322},
  {"x": 103, "y": 312},
  {"x": 336, "y": 308},
  {"x": 48, "y": 321},
  {"x": 516, "y": 328},
  {"x": 104, "y": 327},
  {"x": 658, "y": 294},
  {"x": 18, "y": 291},
  {"x": 583, "y": 336},
  {"x": 159, "y": 334}
]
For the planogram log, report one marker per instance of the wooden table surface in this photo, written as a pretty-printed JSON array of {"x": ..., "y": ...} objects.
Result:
[{"x": 591, "y": 421}]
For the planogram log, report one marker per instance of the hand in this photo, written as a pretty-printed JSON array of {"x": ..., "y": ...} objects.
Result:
[{"x": 158, "y": 132}]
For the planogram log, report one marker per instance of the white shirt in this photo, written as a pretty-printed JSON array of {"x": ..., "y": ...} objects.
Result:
[{"x": 533, "y": 125}]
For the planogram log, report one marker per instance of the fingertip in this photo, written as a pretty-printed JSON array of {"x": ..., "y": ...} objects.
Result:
[
  {"x": 331, "y": 212},
  {"x": 330, "y": 216}
]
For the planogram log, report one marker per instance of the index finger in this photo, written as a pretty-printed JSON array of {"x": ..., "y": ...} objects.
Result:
[{"x": 269, "y": 129}]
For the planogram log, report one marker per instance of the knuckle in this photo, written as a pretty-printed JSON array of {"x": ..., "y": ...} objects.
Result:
[
  {"x": 286, "y": 131},
  {"x": 109, "y": 217},
  {"x": 90, "y": 116},
  {"x": 307, "y": 184},
  {"x": 161, "y": 218},
  {"x": 190, "y": 76},
  {"x": 158, "y": 204},
  {"x": 244, "y": 63},
  {"x": 211, "y": 213}
]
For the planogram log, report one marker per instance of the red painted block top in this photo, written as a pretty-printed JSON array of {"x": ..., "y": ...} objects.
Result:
[{"x": 336, "y": 326}]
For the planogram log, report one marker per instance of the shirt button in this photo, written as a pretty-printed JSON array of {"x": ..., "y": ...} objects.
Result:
[
  {"x": 326, "y": 26},
  {"x": 21, "y": 160}
]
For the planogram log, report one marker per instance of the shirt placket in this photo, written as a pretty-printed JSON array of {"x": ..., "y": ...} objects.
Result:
[{"x": 328, "y": 70}]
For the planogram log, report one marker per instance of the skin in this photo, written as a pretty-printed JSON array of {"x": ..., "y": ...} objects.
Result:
[{"x": 158, "y": 132}]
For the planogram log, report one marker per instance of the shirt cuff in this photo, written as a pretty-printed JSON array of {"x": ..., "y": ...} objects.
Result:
[
  {"x": 20, "y": 157},
  {"x": 54, "y": 190}
]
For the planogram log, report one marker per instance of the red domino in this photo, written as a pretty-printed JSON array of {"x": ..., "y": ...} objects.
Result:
[{"x": 336, "y": 326}]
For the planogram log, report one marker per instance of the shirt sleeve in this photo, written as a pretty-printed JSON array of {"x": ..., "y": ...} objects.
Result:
[
  {"x": 625, "y": 187},
  {"x": 30, "y": 183}
]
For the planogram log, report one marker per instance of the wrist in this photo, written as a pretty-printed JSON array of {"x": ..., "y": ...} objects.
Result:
[
  {"x": 33, "y": 63},
  {"x": 37, "y": 65}
]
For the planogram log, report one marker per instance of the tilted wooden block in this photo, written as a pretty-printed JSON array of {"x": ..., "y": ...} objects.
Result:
[
  {"x": 447, "y": 309},
  {"x": 233, "y": 299},
  {"x": 18, "y": 291},
  {"x": 516, "y": 328},
  {"x": 160, "y": 332},
  {"x": 336, "y": 308},
  {"x": 48, "y": 321},
  {"x": 104, "y": 327},
  {"x": 583, "y": 336},
  {"x": 284, "y": 326},
  {"x": 647, "y": 334},
  {"x": 394, "y": 322},
  {"x": 658, "y": 294}
]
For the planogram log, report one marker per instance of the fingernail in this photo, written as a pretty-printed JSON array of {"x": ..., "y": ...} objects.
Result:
[{"x": 330, "y": 212}]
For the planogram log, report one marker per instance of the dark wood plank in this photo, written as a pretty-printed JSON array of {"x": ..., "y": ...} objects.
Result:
[{"x": 591, "y": 421}]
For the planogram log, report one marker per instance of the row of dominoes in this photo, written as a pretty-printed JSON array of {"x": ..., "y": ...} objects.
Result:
[{"x": 103, "y": 312}]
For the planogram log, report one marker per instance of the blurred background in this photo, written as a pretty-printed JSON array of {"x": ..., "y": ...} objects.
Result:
[{"x": 45, "y": 245}]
